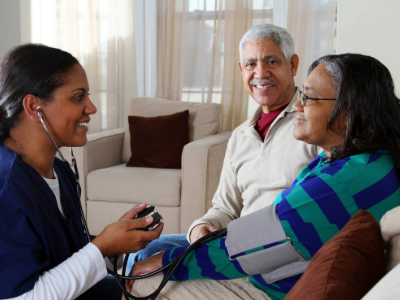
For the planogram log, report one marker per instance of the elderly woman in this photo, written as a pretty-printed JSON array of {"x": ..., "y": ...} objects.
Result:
[
  {"x": 349, "y": 108},
  {"x": 45, "y": 252}
]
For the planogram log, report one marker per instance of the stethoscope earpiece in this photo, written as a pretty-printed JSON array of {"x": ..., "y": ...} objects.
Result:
[{"x": 38, "y": 108}]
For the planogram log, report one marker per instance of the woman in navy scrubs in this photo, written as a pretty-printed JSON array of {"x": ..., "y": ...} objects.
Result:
[{"x": 44, "y": 250}]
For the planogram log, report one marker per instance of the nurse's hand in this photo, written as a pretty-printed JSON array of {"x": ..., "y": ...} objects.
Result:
[
  {"x": 144, "y": 266},
  {"x": 123, "y": 237}
]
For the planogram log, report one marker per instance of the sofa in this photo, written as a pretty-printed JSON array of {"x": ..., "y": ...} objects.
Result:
[
  {"x": 109, "y": 188},
  {"x": 331, "y": 275},
  {"x": 388, "y": 288}
]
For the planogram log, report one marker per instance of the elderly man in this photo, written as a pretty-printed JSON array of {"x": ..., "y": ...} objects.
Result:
[{"x": 263, "y": 158}]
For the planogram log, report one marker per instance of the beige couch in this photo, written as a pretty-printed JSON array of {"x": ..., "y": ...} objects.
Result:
[
  {"x": 109, "y": 188},
  {"x": 388, "y": 288}
]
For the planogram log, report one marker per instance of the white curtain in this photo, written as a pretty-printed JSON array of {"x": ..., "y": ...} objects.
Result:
[
  {"x": 198, "y": 46},
  {"x": 312, "y": 24},
  {"x": 100, "y": 34},
  {"x": 198, "y": 52}
]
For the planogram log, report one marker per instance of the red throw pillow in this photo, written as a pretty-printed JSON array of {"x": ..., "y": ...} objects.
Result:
[
  {"x": 347, "y": 266},
  {"x": 157, "y": 142}
]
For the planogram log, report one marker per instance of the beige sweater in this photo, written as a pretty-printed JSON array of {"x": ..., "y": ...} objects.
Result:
[{"x": 255, "y": 171}]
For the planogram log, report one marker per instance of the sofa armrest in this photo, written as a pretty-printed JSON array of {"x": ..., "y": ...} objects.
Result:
[
  {"x": 201, "y": 170},
  {"x": 102, "y": 150}
]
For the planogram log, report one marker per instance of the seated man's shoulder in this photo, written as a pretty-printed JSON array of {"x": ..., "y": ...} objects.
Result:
[
  {"x": 242, "y": 128},
  {"x": 238, "y": 134}
]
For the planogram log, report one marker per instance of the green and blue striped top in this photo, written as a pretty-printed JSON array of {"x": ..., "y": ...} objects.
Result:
[{"x": 320, "y": 202}]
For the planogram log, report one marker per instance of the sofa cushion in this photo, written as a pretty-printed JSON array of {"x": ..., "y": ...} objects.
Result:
[
  {"x": 390, "y": 229},
  {"x": 347, "y": 266},
  {"x": 135, "y": 185},
  {"x": 111, "y": 212},
  {"x": 204, "y": 118},
  {"x": 157, "y": 142}
]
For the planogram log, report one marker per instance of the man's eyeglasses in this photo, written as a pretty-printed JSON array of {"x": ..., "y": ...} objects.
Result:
[{"x": 303, "y": 98}]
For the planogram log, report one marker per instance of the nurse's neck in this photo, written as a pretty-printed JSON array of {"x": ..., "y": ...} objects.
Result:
[{"x": 35, "y": 149}]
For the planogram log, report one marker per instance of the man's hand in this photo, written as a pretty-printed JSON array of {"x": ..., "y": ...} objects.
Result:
[
  {"x": 123, "y": 237},
  {"x": 200, "y": 231},
  {"x": 145, "y": 266}
]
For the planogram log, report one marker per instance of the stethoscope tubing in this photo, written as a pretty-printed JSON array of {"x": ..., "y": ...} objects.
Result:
[
  {"x": 171, "y": 266},
  {"x": 70, "y": 166}
]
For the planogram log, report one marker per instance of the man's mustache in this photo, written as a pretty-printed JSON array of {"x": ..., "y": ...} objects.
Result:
[{"x": 259, "y": 81}]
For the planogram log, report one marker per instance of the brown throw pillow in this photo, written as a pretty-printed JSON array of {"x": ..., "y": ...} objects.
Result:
[
  {"x": 157, "y": 142},
  {"x": 347, "y": 266}
]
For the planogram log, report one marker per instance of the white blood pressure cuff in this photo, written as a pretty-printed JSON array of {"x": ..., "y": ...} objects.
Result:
[{"x": 259, "y": 243}]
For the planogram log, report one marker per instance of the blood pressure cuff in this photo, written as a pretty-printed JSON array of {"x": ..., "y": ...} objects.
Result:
[{"x": 259, "y": 243}]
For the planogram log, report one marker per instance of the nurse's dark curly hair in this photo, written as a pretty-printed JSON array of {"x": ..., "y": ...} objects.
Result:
[
  {"x": 30, "y": 69},
  {"x": 366, "y": 99}
]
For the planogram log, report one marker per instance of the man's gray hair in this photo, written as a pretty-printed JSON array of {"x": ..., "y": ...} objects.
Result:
[{"x": 271, "y": 32}]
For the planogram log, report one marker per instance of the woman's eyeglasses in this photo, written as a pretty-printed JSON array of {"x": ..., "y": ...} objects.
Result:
[{"x": 303, "y": 98}]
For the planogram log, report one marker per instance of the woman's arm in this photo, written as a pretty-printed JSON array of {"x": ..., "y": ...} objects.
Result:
[
  {"x": 86, "y": 267},
  {"x": 209, "y": 261},
  {"x": 71, "y": 278}
]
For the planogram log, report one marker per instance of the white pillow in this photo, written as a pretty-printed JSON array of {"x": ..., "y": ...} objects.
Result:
[{"x": 390, "y": 230}]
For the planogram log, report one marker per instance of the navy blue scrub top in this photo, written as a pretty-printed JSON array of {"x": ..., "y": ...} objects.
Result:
[{"x": 34, "y": 235}]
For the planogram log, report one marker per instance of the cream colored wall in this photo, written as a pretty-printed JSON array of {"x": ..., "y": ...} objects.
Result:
[
  {"x": 10, "y": 28},
  {"x": 371, "y": 27}
]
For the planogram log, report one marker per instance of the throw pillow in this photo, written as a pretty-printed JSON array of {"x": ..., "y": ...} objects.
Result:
[
  {"x": 157, "y": 142},
  {"x": 347, "y": 266}
]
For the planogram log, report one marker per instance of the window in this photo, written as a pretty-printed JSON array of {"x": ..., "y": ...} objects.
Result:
[
  {"x": 91, "y": 31},
  {"x": 206, "y": 19}
]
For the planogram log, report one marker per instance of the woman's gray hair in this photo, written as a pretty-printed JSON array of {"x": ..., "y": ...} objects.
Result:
[
  {"x": 271, "y": 32},
  {"x": 332, "y": 68}
]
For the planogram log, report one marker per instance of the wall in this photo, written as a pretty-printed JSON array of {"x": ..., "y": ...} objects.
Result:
[
  {"x": 10, "y": 34},
  {"x": 371, "y": 27}
]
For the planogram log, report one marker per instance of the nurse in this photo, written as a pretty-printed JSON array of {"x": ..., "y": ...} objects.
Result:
[{"x": 45, "y": 252}]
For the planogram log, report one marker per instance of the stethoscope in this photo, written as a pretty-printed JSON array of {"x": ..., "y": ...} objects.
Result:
[
  {"x": 74, "y": 173},
  {"x": 170, "y": 267}
]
